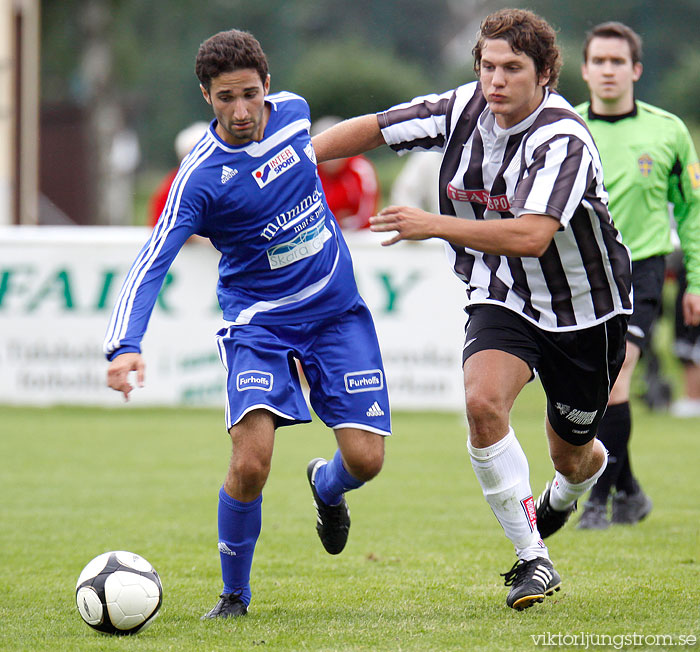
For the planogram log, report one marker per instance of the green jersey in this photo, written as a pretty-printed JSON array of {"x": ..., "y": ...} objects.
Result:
[{"x": 649, "y": 160}]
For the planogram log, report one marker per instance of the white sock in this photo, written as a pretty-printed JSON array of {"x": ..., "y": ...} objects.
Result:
[
  {"x": 563, "y": 493},
  {"x": 504, "y": 476}
]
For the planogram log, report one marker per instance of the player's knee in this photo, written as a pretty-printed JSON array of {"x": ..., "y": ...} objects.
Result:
[
  {"x": 251, "y": 473},
  {"x": 482, "y": 406},
  {"x": 366, "y": 465},
  {"x": 486, "y": 414},
  {"x": 373, "y": 465}
]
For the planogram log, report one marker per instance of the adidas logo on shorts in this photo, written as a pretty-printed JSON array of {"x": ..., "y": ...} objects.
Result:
[{"x": 375, "y": 410}]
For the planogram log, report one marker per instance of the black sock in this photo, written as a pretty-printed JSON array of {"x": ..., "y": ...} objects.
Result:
[
  {"x": 625, "y": 480},
  {"x": 614, "y": 432}
]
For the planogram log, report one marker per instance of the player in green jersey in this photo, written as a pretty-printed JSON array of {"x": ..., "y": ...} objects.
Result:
[{"x": 648, "y": 161}]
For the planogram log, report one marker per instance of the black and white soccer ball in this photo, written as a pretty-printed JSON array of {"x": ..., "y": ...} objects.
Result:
[{"x": 119, "y": 592}]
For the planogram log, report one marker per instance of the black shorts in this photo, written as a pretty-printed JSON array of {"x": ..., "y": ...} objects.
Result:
[
  {"x": 647, "y": 286},
  {"x": 687, "y": 338},
  {"x": 577, "y": 369}
]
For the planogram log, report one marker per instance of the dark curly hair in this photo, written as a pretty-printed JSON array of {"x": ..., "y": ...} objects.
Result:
[
  {"x": 229, "y": 51},
  {"x": 526, "y": 33}
]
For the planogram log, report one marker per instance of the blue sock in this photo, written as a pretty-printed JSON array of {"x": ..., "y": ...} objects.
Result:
[
  {"x": 333, "y": 480},
  {"x": 239, "y": 528}
]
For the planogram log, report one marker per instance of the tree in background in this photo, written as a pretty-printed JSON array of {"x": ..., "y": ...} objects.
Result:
[{"x": 346, "y": 58}]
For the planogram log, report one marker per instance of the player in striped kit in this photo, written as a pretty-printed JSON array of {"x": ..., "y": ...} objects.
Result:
[
  {"x": 525, "y": 220},
  {"x": 287, "y": 290}
]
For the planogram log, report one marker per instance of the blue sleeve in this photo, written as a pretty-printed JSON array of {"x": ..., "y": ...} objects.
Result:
[{"x": 181, "y": 218}]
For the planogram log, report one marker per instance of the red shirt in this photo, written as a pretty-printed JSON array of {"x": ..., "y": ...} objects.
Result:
[
  {"x": 352, "y": 191},
  {"x": 156, "y": 203}
]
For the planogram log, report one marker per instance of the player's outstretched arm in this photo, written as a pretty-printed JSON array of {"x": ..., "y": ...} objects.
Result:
[
  {"x": 348, "y": 138},
  {"x": 528, "y": 235},
  {"x": 119, "y": 370}
]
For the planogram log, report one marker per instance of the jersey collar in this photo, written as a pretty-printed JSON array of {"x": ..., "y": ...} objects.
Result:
[{"x": 612, "y": 118}]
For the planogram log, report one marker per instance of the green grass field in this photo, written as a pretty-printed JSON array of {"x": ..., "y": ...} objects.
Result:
[{"x": 421, "y": 569}]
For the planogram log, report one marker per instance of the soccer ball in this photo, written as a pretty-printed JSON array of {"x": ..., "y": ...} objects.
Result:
[{"x": 118, "y": 593}]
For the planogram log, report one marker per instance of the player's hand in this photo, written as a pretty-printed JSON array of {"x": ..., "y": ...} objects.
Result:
[
  {"x": 691, "y": 309},
  {"x": 409, "y": 223},
  {"x": 120, "y": 368}
]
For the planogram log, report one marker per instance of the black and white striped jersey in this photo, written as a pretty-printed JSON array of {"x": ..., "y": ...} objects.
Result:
[{"x": 546, "y": 164}]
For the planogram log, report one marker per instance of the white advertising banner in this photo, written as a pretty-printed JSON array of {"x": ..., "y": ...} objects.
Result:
[{"x": 58, "y": 285}]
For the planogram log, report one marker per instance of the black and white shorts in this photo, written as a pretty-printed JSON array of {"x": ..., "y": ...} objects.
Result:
[{"x": 577, "y": 369}]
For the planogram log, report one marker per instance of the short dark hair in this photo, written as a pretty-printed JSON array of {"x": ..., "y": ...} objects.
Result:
[
  {"x": 613, "y": 29},
  {"x": 228, "y": 51},
  {"x": 526, "y": 33}
]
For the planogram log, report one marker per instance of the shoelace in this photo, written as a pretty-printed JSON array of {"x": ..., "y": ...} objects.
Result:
[{"x": 516, "y": 571}]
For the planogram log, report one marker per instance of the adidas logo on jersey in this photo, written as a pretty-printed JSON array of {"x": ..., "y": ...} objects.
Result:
[
  {"x": 375, "y": 410},
  {"x": 227, "y": 173}
]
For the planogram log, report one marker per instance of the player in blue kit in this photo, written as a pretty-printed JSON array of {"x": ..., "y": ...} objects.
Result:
[{"x": 287, "y": 290}]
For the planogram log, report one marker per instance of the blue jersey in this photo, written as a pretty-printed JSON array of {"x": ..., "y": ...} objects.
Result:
[{"x": 283, "y": 258}]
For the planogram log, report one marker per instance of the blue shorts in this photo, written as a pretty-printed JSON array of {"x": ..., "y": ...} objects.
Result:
[{"x": 341, "y": 361}]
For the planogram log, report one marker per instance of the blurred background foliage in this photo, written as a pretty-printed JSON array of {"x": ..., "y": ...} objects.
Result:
[{"x": 346, "y": 58}]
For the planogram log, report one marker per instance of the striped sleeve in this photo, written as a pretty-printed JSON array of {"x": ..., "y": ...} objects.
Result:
[{"x": 418, "y": 124}]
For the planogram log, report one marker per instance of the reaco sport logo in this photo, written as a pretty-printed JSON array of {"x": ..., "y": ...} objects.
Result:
[{"x": 277, "y": 165}]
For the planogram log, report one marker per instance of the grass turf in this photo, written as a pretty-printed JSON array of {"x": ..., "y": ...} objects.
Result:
[{"x": 421, "y": 569}]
